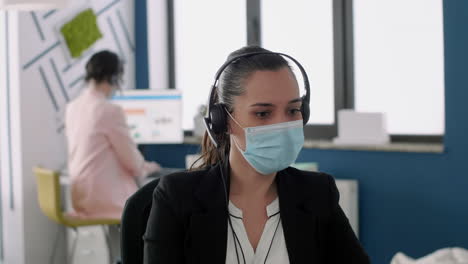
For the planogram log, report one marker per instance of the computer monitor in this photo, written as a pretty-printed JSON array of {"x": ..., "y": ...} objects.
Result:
[{"x": 153, "y": 116}]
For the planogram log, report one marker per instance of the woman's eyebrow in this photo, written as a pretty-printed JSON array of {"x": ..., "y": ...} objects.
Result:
[
  {"x": 295, "y": 100},
  {"x": 270, "y": 104},
  {"x": 262, "y": 104}
]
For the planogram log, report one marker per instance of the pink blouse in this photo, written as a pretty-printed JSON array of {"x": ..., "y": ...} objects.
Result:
[{"x": 103, "y": 160}]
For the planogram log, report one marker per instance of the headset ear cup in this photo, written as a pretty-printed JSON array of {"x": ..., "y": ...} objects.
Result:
[
  {"x": 305, "y": 111},
  {"x": 218, "y": 119}
]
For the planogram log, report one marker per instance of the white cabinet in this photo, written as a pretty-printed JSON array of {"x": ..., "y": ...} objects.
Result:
[{"x": 349, "y": 201}]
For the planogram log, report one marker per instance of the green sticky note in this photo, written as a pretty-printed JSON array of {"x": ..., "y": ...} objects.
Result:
[{"x": 81, "y": 32}]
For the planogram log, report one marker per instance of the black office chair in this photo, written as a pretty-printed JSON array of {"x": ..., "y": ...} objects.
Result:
[{"x": 133, "y": 225}]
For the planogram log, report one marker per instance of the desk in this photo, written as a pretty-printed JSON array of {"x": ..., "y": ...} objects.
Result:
[
  {"x": 159, "y": 174},
  {"x": 65, "y": 179}
]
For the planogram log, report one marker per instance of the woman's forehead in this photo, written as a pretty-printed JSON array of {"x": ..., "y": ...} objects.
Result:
[{"x": 274, "y": 85}]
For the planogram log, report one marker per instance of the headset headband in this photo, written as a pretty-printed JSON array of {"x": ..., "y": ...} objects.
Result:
[{"x": 227, "y": 63}]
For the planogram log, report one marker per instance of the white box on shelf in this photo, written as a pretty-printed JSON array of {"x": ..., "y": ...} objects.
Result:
[{"x": 361, "y": 128}]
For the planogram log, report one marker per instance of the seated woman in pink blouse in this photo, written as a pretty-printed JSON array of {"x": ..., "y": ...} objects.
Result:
[{"x": 103, "y": 161}]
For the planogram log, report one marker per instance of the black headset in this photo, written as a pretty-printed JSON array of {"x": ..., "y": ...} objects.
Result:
[{"x": 216, "y": 118}]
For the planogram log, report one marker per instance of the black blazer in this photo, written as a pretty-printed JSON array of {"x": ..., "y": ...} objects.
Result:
[{"x": 188, "y": 219}]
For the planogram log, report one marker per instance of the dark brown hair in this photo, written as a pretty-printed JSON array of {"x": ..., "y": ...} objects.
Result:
[{"x": 104, "y": 66}]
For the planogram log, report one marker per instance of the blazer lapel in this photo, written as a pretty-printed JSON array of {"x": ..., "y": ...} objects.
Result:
[
  {"x": 208, "y": 225},
  {"x": 299, "y": 221}
]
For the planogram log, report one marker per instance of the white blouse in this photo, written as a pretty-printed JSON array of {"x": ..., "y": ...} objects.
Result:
[{"x": 271, "y": 248}]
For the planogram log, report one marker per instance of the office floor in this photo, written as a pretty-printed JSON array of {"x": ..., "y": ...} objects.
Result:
[{"x": 91, "y": 246}]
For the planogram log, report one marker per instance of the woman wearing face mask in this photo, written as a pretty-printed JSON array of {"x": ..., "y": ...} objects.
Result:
[{"x": 245, "y": 204}]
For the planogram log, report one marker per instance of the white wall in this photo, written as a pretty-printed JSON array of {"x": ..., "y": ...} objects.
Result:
[
  {"x": 11, "y": 182},
  {"x": 157, "y": 44},
  {"x": 37, "y": 123}
]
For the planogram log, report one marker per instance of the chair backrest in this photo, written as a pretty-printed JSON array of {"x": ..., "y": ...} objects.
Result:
[
  {"x": 133, "y": 225},
  {"x": 48, "y": 193}
]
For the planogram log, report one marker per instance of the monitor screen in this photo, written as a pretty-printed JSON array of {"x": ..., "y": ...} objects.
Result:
[{"x": 153, "y": 116}]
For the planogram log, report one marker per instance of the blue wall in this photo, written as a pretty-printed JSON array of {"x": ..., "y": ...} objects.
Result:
[
  {"x": 141, "y": 46},
  {"x": 410, "y": 202}
]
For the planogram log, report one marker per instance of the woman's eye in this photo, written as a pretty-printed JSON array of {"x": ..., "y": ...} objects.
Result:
[
  {"x": 262, "y": 114},
  {"x": 294, "y": 111}
]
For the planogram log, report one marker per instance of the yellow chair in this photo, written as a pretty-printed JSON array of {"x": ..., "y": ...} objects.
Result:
[{"x": 49, "y": 196}]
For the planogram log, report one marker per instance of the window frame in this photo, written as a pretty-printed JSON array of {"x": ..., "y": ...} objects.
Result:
[
  {"x": 343, "y": 57},
  {"x": 349, "y": 33}
]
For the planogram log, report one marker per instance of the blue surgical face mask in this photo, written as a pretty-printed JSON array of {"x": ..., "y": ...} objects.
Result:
[{"x": 272, "y": 148}]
